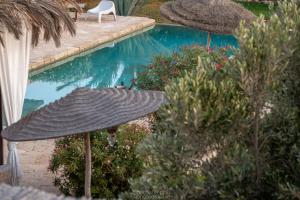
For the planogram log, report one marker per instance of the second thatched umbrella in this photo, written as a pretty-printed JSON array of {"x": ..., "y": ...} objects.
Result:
[
  {"x": 213, "y": 16},
  {"x": 82, "y": 111}
]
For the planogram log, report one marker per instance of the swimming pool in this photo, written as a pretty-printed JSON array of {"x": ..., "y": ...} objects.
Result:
[{"x": 109, "y": 66}]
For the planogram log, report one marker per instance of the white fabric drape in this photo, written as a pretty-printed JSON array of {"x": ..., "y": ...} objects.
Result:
[{"x": 14, "y": 66}]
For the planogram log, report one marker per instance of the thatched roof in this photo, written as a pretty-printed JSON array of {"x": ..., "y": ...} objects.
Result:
[
  {"x": 8, "y": 192},
  {"x": 219, "y": 16},
  {"x": 85, "y": 110},
  {"x": 49, "y": 17}
]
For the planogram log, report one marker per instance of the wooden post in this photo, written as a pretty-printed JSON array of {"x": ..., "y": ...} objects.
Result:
[
  {"x": 1, "y": 127},
  {"x": 88, "y": 166}
]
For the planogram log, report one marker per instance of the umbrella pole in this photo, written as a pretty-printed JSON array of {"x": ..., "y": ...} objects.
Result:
[
  {"x": 208, "y": 40},
  {"x": 88, "y": 165}
]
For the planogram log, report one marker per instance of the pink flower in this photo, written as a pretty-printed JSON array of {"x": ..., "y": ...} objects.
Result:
[
  {"x": 219, "y": 66},
  {"x": 209, "y": 49}
]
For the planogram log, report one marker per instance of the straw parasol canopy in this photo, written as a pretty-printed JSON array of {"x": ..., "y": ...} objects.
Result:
[
  {"x": 218, "y": 16},
  {"x": 22, "y": 193},
  {"x": 82, "y": 111}
]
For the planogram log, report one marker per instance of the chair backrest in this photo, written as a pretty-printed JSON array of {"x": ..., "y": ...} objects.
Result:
[{"x": 104, "y": 4}]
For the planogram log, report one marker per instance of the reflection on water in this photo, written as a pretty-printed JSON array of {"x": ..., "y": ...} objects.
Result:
[
  {"x": 32, "y": 104},
  {"x": 110, "y": 66}
]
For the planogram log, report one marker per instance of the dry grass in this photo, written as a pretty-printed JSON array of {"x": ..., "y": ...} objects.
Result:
[
  {"x": 151, "y": 9},
  {"x": 90, "y": 3}
]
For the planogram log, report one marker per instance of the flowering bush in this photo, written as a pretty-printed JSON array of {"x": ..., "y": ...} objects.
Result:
[
  {"x": 166, "y": 68},
  {"x": 112, "y": 167}
]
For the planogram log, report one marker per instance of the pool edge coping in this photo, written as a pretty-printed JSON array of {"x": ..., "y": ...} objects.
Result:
[{"x": 87, "y": 47}]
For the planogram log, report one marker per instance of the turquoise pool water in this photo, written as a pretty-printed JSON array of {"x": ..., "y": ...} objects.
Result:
[{"x": 109, "y": 66}]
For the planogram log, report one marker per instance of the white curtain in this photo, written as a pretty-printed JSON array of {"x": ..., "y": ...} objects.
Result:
[{"x": 14, "y": 66}]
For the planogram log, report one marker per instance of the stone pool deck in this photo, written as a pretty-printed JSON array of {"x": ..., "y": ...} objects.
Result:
[
  {"x": 89, "y": 34},
  {"x": 34, "y": 159}
]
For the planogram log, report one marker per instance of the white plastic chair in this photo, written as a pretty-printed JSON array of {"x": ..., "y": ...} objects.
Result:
[{"x": 103, "y": 8}]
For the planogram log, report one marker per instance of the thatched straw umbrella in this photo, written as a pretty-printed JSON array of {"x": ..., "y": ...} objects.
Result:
[
  {"x": 46, "y": 17},
  {"x": 22, "y": 193},
  {"x": 217, "y": 16},
  {"x": 83, "y": 111}
]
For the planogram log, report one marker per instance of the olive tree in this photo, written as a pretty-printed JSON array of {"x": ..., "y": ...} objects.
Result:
[{"x": 214, "y": 139}]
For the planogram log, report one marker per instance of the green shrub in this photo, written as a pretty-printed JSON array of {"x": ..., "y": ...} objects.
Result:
[
  {"x": 164, "y": 69},
  {"x": 258, "y": 8},
  {"x": 205, "y": 105},
  {"x": 232, "y": 133},
  {"x": 283, "y": 123},
  {"x": 127, "y": 7},
  {"x": 111, "y": 166}
]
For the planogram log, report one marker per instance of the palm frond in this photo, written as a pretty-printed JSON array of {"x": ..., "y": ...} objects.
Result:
[{"x": 47, "y": 17}]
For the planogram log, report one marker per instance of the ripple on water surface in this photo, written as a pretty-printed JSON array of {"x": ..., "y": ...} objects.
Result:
[{"x": 109, "y": 66}]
